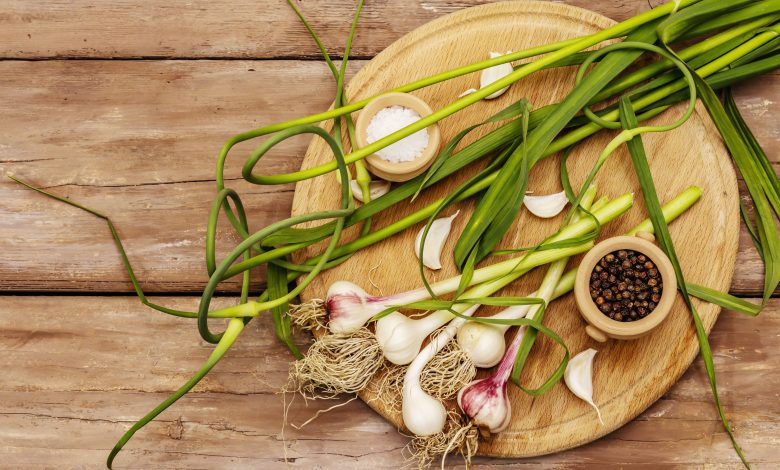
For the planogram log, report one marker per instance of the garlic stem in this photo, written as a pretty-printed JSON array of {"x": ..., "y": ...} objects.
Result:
[
  {"x": 350, "y": 307},
  {"x": 362, "y": 302},
  {"x": 423, "y": 414}
]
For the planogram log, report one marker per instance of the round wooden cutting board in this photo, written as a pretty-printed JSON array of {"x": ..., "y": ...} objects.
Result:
[{"x": 628, "y": 375}]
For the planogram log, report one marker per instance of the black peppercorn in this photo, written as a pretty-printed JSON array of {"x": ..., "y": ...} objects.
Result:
[{"x": 625, "y": 285}]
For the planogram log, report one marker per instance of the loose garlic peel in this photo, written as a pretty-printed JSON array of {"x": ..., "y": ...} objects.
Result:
[
  {"x": 579, "y": 377},
  {"x": 434, "y": 242},
  {"x": 467, "y": 92},
  {"x": 494, "y": 73},
  {"x": 546, "y": 206},
  {"x": 376, "y": 188}
]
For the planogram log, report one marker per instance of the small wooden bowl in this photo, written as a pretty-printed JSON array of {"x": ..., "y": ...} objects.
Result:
[
  {"x": 600, "y": 326},
  {"x": 401, "y": 171}
]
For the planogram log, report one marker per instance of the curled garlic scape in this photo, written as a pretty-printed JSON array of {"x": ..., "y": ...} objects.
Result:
[
  {"x": 434, "y": 242},
  {"x": 579, "y": 377},
  {"x": 494, "y": 73},
  {"x": 546, "y": 206}
]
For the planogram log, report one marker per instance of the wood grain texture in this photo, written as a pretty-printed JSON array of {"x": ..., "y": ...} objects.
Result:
[
  {"x": 138, "y": 140},
  {"x": 222, "y": 28},
  {"x": 77, "y": 373},
  {"x": 630, "y": 375}
]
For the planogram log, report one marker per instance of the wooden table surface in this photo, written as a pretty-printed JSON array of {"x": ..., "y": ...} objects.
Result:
[{"x": 123, "y": 105}]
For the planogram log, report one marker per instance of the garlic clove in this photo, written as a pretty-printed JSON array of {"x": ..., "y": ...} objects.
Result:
[
  {"x": 546, "y": 206},
  {"x": 467, "y": 92},
  {"x": 494, "y": 73},
  {"x": 376, "y": 188},
  {"x": 434, "y": 242},
  {"x": 579, "y": 377}
]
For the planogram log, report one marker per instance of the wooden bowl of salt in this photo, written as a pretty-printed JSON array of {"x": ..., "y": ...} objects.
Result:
[{"x": 410, "y": 156}]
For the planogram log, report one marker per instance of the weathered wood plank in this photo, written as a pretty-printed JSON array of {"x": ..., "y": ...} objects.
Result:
[
  {"x": 138, "y": 141},
  {"x": 79, "y": 370},
  {"x": 210, "y": 29}
]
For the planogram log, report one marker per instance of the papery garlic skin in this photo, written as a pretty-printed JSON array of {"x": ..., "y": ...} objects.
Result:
[
  {"x": 494, "y": 73},
  {"x": 579, "y": 377},
  {"x": 350, "y": 307},
  {"x": 546, "y": 206},
  {"x": 467, "y": 92},
  {"x": 434, "y": 242},
  {"x": 376, "y": 189},
  {"x": 401, "y": 337}
]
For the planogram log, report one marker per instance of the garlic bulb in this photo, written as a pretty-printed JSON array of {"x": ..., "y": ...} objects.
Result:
[
  {"x": 546, "y": 206},
  {"x": 428, "y": 415},
  {"x": 483, "y": 342},
  {"x": 434, "y": 242},
  {"x": 496, "y": 72},
  {"x": 579, "y": 377},
  {"x": 376, "y": 188},
  {"x": 401, "y": 337},
  {"x": 350, "y": 307}
]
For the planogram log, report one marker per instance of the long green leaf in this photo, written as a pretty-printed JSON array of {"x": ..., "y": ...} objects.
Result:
[
  {"x": 748, "y": 163},
  {"x": 723, "y": 299},
  {"x": 661, "y": 230}
]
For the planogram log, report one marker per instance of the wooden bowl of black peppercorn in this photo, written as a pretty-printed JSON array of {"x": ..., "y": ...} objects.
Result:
[{"x": 625, "y": 287}]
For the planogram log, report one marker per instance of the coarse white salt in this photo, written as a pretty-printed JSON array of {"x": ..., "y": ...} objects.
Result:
[{"x": 390, "y": 119}]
